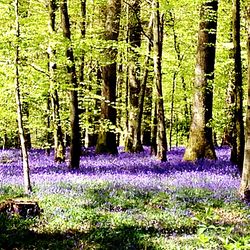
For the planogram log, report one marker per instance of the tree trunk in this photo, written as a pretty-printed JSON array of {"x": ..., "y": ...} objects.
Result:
[
  {"x": 25, "y": 113},
  {"x": 83, "y": 33},
  {"x": 26, "y": 174},
  {"x": 185, "y": 98},
  {"x": 227, "y": 138},
  {"x": 75, "y": 144},
  {"x": 154, "y": 133},
  {"x": 172, "y": 109},
  {"x": 142, "y": 93},
  {"x": 59, "y": 148},
  {"x": 133, "y": 143},
  {"x": 48, "y": 124},
  {"x": 238, "y": 136},
  {"x": 147, "y": 113},
  {"x": 107, "y": 135},
  {"x": 245, "y": 180},
  {"x": 157, "y": 41},
  {"x": 200, "y": 144}
]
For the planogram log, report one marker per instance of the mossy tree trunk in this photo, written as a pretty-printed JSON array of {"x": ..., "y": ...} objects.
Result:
[
  {"x": 106, "y": 142},
  {"x": 245, "y": 180},
  {"x": 200, "y": 144},
  {"x": 75, "y": 142}
]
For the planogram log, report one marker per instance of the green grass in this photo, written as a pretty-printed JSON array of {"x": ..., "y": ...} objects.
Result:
[{"x": 101, "y": 217}]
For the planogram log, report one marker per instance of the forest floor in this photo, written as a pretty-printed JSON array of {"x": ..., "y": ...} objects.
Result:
[{"x": 129, "y": 201}]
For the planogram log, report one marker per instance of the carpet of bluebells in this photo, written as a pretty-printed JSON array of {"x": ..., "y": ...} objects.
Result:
[{"x": 128, "y": 201}]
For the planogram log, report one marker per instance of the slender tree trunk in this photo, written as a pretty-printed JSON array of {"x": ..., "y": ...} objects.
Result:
[
  {"x": 227, "y": 138},
  {"x": 48, "y": 124},
  {"x": 179, "y": 59},
  {"x": 75, "y": 144},
  {"x": 26, "y": 169},
  {"x": 154, "y": 133},
  {"x": 158, "y": 40},
  {"x": 127, "y": 84},
  {"x": 83, "y": 33},
  {"x": 25, "y": 113},
  {"x": 119, "y": 99},
  {"x": 147, "y": 113},
  {"x": 172, "y": 109},
  {"x": 237, "y": 153},
  {"x": 138, "y": 135},
  {"x": 245, "y": 180},
  {"x": 59, "y": 148},
  {"x": 200, "y": 144},
  {"x": 107, "y": 136}
]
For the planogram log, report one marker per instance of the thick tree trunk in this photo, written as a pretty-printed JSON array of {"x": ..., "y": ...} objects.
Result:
[
  {"x": 158, "y": 40},
  {"x": 133, "y": 143},
  {"x": 75, "y": 144},
  {"x": 107, "y": 135},
  {"x": 26, "y": 174},
  {"x": 237, "y": 153},
  {"x": 200, "y": 144},
  {"x": 59, "y": 148},
  {"x": 245, "y": 180}
]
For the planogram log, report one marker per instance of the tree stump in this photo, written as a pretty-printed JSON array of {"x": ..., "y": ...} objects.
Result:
[{"x": 24, "y": 208}]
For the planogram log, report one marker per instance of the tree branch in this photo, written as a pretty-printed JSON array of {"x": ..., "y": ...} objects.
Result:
[{"x": 37, "y": 68}]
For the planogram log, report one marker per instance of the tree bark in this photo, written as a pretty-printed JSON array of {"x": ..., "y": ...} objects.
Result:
[
  {"x": 245, "y": 180},
  {"x": 83, "y": 33},
  {"x": 106, "y": 142},
  {"x": 179, "y": 57},
  {"x": 25, "y": 113},
  {"x": 143, "y": 91},
  {"x": 59, "y": 148},
  {"x": 157, "y": 45},
  {"x": 133, "y": 142},
  {"x": 238, "y": 142},
  {"x": 200, "y": 144},
  {"x": 26, "y": 169},
  {"x": 75, "y": 144},
  {"x": 153, "y": 145}
]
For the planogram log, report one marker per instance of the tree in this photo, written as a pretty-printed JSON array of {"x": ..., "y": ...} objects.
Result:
[
  {"x": 161, "y": 139},
  {"x": 245, "y": 180},
  {"x": 27, "y": 184},
  {"x": 238, "y": 142},
  {"x": 200, "y": 144},
  {"x": 177, "y": 71},
  {"x": 106, "y": 142},
  {"x": 59, "y": 154},
  {"x": 146, "y": 90},
  {"x": 133, "y": 140},
  {"x": 75, "y": 144}
]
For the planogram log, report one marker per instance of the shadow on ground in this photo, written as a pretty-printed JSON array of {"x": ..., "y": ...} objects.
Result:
[{"x": 15, "y": 234}]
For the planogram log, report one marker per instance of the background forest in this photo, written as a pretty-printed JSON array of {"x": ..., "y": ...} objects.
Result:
[{"x": 45, "y": 82}]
